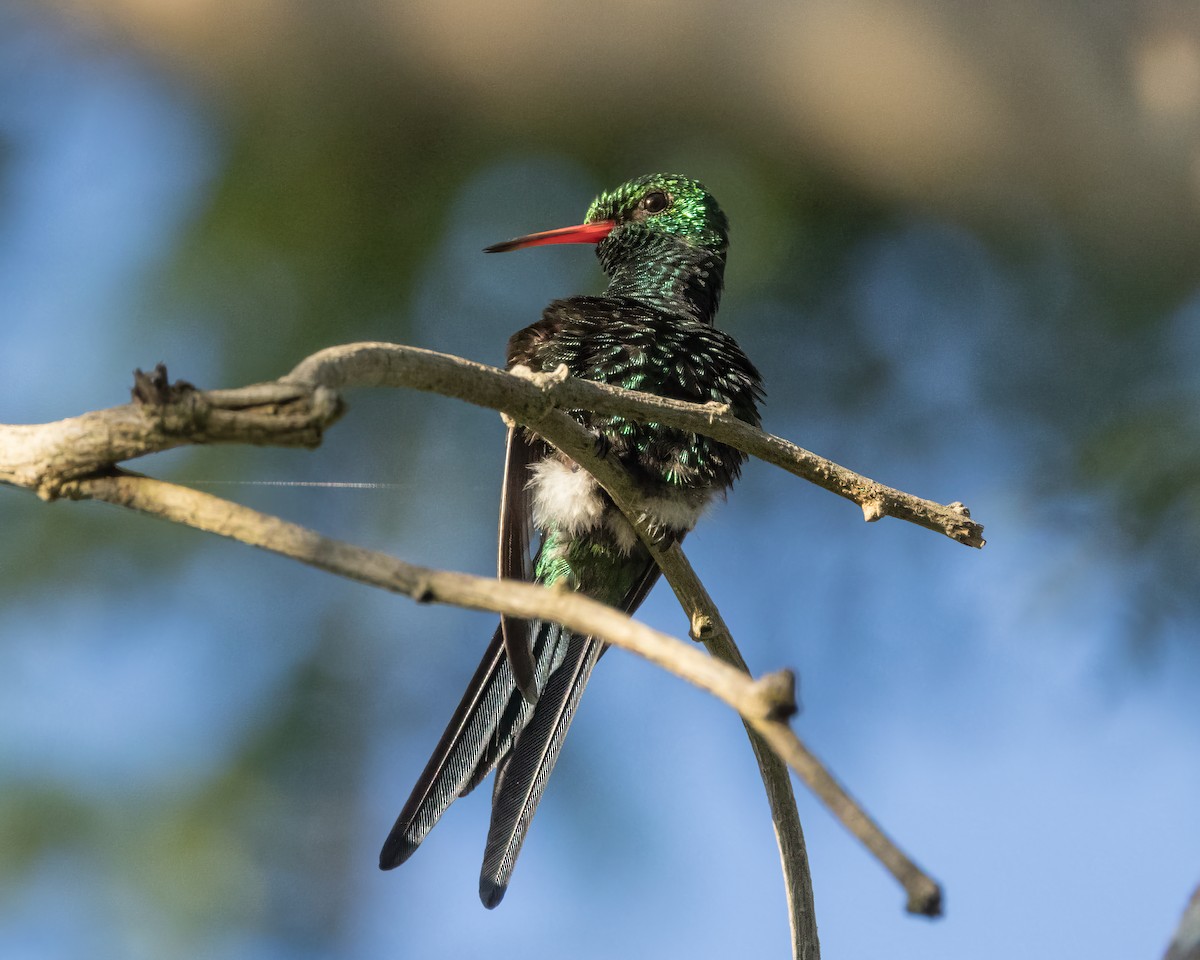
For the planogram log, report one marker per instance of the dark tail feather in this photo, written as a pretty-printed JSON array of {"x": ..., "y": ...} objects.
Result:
[
  {"x": 523, "y": 777},
  {"x": 550, "y": 648},
  {"x": 492, "y": 712}
]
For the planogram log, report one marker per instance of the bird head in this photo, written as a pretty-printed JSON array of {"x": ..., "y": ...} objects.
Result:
[
  {"x": 622, "y": 220},
  {"x": 660, "y": 238}
]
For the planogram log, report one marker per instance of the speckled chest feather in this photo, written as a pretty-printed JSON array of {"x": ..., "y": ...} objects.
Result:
[{"x": 634, "y": 345}]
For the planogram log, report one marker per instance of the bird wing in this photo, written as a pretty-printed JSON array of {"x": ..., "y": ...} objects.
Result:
[
  {"x": 494, "y": 706},
  {"x": 514, "y": 561}
]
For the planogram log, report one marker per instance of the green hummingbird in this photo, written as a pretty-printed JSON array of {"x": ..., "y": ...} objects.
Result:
[{"x": 662, "y": 241}]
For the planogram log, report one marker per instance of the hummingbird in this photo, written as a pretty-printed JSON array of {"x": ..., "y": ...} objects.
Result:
[{"x": 662, "y": 242}]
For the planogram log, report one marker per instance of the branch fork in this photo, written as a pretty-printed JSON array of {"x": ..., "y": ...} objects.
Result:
[{"x": 77, "y": 458}]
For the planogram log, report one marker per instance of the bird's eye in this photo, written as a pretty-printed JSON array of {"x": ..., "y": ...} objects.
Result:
[{"x": 655, "y": 202}]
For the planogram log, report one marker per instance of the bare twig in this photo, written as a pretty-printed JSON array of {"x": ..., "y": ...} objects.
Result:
[
  {"x": 41, "y": 457},
  {"x": 759, "y": 702},
  {"x": 382, "y": 364},
  {"x": 785, "y": 818},
  {"x": 754, "y": 700},
  {"x": 294, "y": 411},
  {"x": 1185, "y": 945}
]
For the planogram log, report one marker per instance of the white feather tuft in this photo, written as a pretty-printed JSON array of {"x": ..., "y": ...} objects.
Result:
[{"x": 565, "y": 496}]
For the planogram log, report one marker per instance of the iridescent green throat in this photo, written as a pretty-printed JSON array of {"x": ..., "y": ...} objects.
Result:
[{"x": 666, "y": 272}]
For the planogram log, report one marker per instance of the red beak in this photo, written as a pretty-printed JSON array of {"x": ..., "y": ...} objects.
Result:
[{"x": 584, "y": 233}]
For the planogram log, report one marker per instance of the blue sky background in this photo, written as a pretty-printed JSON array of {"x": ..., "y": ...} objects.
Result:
[{"x": 202, "y": 746}]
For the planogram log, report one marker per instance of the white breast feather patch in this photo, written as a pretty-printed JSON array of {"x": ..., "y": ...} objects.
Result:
[{"x": 565, "y": 496}]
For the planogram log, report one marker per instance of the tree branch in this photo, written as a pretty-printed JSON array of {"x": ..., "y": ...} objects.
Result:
[
  {"x": 1185, "y": 945},
  {"x": 64, "y": 458},
  {"x": 294, "y": 410},
  {"x": 393, "y": 365},
  {"x": 41, "y": 457},
  {"x": 764, "y": 703}
]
